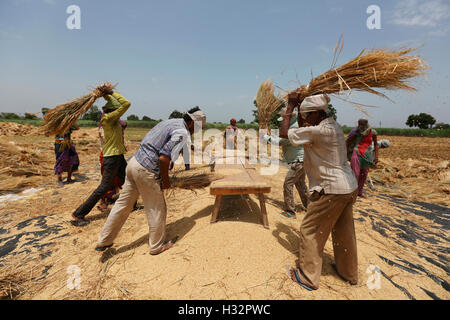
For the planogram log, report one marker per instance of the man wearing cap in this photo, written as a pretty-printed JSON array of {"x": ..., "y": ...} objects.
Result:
[
  {"x": 332, "y": 187},
  {"x": 113, "y": 150},
  {"x": 231, "y": 134},
  {"x": 147, "y": 176},
  {"x": 293, "y": 156}
]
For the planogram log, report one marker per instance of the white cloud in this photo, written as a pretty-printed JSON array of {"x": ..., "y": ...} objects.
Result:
[{"x": 421, "y": 13}]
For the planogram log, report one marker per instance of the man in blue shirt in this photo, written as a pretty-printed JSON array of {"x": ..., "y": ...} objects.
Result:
[
  {"x": 293, "y": 156},
  {"x": 148, "y": 175}
]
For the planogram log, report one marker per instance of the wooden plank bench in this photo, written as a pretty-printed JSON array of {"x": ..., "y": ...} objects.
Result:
[{"x": 246, "y": 182}]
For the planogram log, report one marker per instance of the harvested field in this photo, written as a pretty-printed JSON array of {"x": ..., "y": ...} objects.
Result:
[{"x": 402, "y": 229}]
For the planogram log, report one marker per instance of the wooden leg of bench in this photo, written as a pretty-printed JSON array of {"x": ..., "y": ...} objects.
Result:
[
  {"x": 262, "y": 203},
  {"x": 215, "y": 212}
]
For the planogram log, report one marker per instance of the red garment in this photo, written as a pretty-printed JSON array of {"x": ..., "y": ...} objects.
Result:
[
  {"x": 365, "y": 143},
  {"x": 116, "y": 183}
]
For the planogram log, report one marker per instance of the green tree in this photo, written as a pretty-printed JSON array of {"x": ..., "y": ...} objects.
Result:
[
  {"x": 145, "y": 118},
  {"x": 94, "y": 114},
  {"x": 132, "y": 117},
  {"x": 241, "y": 121},
  {"x": 44, "y": 111},
  {"x": 332, "y": 112},
  {"x": 176, "y": 114},
  {"x": 9, "y": 116},
  {"x": 441, "y": 126},
  {"x": 30, "y": 116},
  {"x": 421, "y": 120}
]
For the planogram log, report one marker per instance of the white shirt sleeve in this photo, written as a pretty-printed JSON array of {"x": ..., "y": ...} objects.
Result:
[{"x": 300, "y": 136}]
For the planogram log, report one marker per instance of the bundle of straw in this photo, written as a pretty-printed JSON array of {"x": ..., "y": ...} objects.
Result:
[
  {"x": 59, "y": 119},
  {"x": 267, "y": 103},
  {"x": 193, "y": 181},
  {"x": 382, "y": 68}
]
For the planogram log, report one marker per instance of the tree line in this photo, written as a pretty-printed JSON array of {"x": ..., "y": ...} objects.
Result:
[{"x": 421, "y": 120}]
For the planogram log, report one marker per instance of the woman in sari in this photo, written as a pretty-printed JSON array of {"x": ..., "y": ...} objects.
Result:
[
  {"x": 362, "y": 151},
  {"x": 66, "y": 156}
]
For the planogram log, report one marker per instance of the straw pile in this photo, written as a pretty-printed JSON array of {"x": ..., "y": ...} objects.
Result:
[
  {"x": 59, "y": 119},
  {"x": 21, "y": 166},
  {"x": 267, "y": 103},
  {"x": 17, "y": 129},
  {"x": 380, "y": 68},
  {"x": 425, "y": 180}
]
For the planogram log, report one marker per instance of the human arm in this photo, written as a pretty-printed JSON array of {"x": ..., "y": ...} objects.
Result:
[
  {"x": 116, "y": 114},
  {"x": 375, "y": 146},
  {"x": 293, "y": 102},
  {"x": 276, "y": 140},
  {"x": 349, "y": 140},
  {"x": 164, "y": 164},
  {"x": 75, "y": 127}
]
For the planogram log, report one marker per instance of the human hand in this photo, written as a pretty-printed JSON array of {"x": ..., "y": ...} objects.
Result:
[
  {"x": 293, "y": 99},
  {"x": 106, "y": 88}
]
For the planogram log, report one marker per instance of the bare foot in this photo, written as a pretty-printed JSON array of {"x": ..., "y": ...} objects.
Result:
[
  {"x": 79, "y": 222},
  {"x": 292, "y": 274},
  {"x": 166, "y": 246}
]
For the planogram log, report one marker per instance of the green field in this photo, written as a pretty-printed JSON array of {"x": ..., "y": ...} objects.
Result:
[{"x": 221, "y": 126}]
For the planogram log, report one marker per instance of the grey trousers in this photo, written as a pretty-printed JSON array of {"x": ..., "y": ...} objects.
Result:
[
  {"x": 139, "y": 181},
  {"x": 295, "y": 176}
]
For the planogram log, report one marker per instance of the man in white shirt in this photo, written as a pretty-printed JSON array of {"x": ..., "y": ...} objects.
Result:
[{"x": 332, "y": 187}]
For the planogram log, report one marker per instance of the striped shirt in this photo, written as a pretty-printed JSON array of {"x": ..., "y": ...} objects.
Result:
[
  {"x": 325, "y": 158},
  {"x": 167, "y": 137}
]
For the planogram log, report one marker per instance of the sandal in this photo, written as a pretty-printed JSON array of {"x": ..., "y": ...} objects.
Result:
[
  {"x": 297, "y": 278},
  {"x": 288, "y": 214},
  {"x": 104, "y": 247}
]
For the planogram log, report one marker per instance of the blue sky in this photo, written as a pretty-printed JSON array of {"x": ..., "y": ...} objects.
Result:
[{"x": 169, "y": 55}]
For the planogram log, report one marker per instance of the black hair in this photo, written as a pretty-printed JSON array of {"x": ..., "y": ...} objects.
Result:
[
  {"x": 323, "y": 113},
  {"x": 194, "y": 109},
  {"x": 186, "y": 116}
]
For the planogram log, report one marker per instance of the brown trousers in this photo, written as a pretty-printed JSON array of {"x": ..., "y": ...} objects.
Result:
[{"x": 330, "y": 213}]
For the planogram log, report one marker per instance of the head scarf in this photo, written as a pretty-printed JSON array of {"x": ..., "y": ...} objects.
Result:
[
  {"x": 364, "y": 130},
  {"x": 385, "y": 143},
  {"x": 315, "y": 103},
  {"x": 111, "y": 104}
]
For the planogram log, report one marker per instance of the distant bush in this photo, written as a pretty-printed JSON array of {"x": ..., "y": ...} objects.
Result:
[
  {"x": 407, "y": 132},
  {"x": 435, "y": 132}
]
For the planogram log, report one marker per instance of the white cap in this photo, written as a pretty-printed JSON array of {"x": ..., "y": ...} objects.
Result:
[
  {"x": 197, "y": 115},
  {"x": 315, "y": 103}
]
